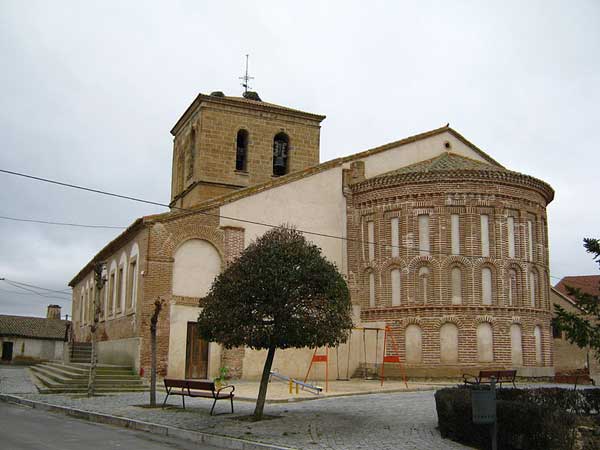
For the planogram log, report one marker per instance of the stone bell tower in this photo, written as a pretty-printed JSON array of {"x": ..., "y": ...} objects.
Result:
[{"x": 222, "y": 144}]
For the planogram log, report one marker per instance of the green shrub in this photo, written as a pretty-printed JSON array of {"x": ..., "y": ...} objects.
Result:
[{"x": 527, "y": 418}]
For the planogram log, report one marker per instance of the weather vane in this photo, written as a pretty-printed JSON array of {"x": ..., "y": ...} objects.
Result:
[{"x": 246, "y": 78}]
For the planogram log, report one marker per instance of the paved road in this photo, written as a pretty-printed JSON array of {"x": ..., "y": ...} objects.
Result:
[{"x": 27, "y": 429}]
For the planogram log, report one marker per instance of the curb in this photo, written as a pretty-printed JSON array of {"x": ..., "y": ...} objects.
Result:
[{"x": 163, "y": 430}]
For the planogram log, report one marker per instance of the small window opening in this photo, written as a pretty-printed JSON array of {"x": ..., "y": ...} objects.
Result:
[
  {"x": 241, "y": 155},
  {"x": 280, "y": 154}
]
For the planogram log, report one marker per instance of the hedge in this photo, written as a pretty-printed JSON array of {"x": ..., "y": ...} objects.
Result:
[{"x": 533, "y": 419}]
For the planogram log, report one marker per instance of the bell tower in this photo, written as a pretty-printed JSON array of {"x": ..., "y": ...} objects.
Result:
[{"x": 222, "y": 144}]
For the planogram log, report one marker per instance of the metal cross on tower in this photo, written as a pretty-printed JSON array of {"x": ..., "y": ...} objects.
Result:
[{"x": 246, "y": 78}]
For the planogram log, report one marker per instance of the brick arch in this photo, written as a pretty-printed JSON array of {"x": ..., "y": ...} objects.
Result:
[
  {"x": 395, "y": 263},
  {"x": 176, "y": 233},
  {"x": 516, "y": 320},
  {"x": 456, "y": 260},
  {"x": 412, "y": 321},
  {"x": 364, "y": 286},
  {"x": 438, "y": 323},
  {"x": 486, "y": 318},
  {"x": 521, "y": 282},
  {"x": 419, "y": 261},
  {"x": 414, "y": 281}
]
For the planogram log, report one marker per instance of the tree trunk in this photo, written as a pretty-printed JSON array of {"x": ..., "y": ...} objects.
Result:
[
  {"x": 94, "y": 331},
  {"x": 153, "y": 368},
  {"x": 264, "y": 383}
]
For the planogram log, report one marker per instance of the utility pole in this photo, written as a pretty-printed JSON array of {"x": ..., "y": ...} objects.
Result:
[{"x": 100, "y": 279}]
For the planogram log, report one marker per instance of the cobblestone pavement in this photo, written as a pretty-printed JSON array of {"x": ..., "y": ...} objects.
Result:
[
  {"x": 15, "y": 380},
  {"x": 404, "y": 420}
]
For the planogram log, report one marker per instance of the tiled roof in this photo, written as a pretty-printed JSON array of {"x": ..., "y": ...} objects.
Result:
[
  {"x": 445, "y": 161},
  {"x": 33, "y": 327},
  {"x": 589, "y": 284}
]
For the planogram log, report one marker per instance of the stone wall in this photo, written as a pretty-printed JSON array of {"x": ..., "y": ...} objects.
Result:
[{"x": 211, "y": 135}]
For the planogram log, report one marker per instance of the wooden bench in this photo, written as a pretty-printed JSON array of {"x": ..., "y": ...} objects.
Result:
[
  {"x": 574, "y": 376},
  {"x": 485, "y": 377},
  {"x": 197, "y": 388}
]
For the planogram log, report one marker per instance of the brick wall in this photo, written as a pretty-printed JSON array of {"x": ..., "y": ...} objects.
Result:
[{"x": 439, "y": 198}]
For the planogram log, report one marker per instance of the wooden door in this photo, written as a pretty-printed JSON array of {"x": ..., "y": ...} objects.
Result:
[
  {"x": 196, "y": 354},
  {"x": 7, "y": 351}
]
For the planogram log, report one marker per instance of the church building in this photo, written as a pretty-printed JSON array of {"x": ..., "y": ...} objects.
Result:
[{"x": 436, "y": 240}]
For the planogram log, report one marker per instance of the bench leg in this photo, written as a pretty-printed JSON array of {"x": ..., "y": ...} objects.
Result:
[
  {"x": 165, "y": 401},
  {"x": 213, "y": 407},
  {"x": 183, "y": 400},
  {"x": 231, "y": 398}
]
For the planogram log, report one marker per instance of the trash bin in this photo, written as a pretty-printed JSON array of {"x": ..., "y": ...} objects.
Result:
[{"x": 483, "y": 403}]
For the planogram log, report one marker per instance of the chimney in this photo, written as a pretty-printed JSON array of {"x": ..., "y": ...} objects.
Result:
[{"x": 53, "y": 312}]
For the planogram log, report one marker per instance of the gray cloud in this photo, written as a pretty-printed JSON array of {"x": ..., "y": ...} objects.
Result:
[{"x": 90, "y": 90}]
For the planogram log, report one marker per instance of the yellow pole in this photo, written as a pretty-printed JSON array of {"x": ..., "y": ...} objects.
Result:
[{"x": 290, "y": 385}]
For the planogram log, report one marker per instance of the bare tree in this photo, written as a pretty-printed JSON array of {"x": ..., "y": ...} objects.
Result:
[
  {"x": 99, "y": 277},
  {"x": 158, "y": 304}
]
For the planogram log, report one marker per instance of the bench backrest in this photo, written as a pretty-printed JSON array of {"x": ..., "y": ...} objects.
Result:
[
  {"x": 173, "y": 382},
  {"x": 499, "y": 374},
  {"x": 198, "y": 385}
]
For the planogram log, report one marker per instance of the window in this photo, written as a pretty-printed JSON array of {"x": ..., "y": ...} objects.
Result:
[
  {"x": 456, "y": 275},
  {"x": 530, "y": 240},
  {"x": 486, "y": 286},
  {"x": 423, "y": 234},
  {"x": 537, "y": 334},
  {"x": 455, "y": 233},
  {"x": 423, "y": 285},
  {"x": 241, "y": 154},
  {"x": 280, "y": 154},
  {"x": 371, "y": 239},
  {"x": 180, "y": 171},
  {"x": 372, "y": 290},
  {"x": 131, "y": 283},
  {"x": 395, "y": 279},
  {"x": 510, "y": 222},
  {"x": 485, "y": 343},
  {"x": 556, "y": 332},
  {"x": 111, "y": 293},
  {"x": 516, "y": 346},
  {"x": 533, "y": 288},
  {"x": 191, "y": 154},
  {"x": 395, "y": 224},
  {"x": 82, "y": 309},
  {"x": 413, "y": 343},
  {"x": 91, "y": 302},
  {"x": 485, "y": 235},
  {"x": 449, "y": 343},
  {"x": 120, "y": 281},
  {"x": 512, "y": 287}
]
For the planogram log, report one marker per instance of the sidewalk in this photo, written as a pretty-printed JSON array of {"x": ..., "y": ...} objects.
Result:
[{"x": 388, "y": 420}]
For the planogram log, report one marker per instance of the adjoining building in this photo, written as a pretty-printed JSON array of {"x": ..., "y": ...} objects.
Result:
[
  {"x": 569, "y": 358},
  {"x": 439, "y": 242},
  {"x": 28, "y": 340}
]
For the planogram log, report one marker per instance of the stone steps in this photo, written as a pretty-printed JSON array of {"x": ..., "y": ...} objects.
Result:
[
  {"x": 81, "y": 352},
  {"x": 102, "y": 371},
  {"x": 64, "y": 378},
  {"x": 56, "y": 377}
]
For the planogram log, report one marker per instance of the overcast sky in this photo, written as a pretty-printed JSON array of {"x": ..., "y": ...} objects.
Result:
[{"x": 90, "y": 90}]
